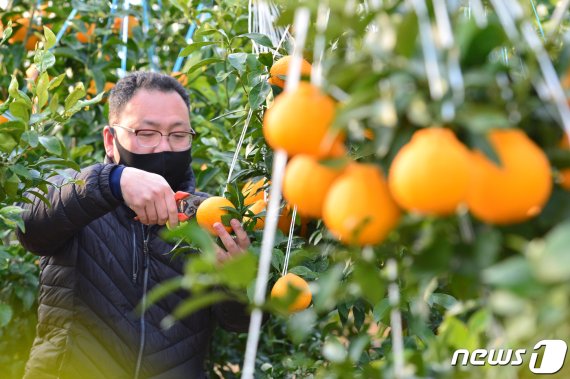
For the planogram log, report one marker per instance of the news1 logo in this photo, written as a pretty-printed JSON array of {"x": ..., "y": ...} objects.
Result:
[{"x": 552, "y": 358}]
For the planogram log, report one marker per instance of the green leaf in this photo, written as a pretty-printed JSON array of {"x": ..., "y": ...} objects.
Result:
[
  {"x": 381, "y": 310},
  {"x": 42, "y": 89},
  {"x": 11, "y": 215},
  {"x": 481, "y": 142},
  {"x": 75, "y": 95},
  {"x": 367, "y": 277},
  {"x": 159, "y": 292},
  {"x": 407, "y": 35},
  {"x": 239, "y": 271},
  {"x": 480, "y": 119},
  {"x": 81, "y": 151},
  {"x": 7, "y": 143},
  {"x": 30, "y": 137},
  {"x": 79, "y": 105},
  {"x": 455, "y": 334},
  {"x": 551, "y": 257},
  {"x": 511, "y": 272},
  {"x": 265, "y": 59},
  {"x": 191, "y": 231},
  {"x": 237, "y": 60},
  {"x": 192, "y": 305},
  {"x": 50, "y": 38},
  {"x": 51, "y": 144},
  {"x": 55, "y": 82},
  {"x": 258, "y": 94},
  {"x": 303, "y": 272},
  {"x": 443, "y": 299},
  {"x": 260, "y": 39},
  {"x": 20, "y": 110},
  {"x": 203, "y": 63},
  {"x": 195, "y": 46},
  {"x": 327, "y": 284},
  {"x": 13, "y": 88},
  {"x": 44, "y": 59},
  {"x": 57, "y": 162},
  {"x": 5, "y": 314}
]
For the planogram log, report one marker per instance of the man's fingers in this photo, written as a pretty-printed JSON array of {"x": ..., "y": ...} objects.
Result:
[
  {"x": 221, "y": 254},
  {"x": 151, "y": 213},
  {"x": 227, "y": 240},
  {"x": 162, "y": 211},
  {"x": 242, "y": 238},
  {"x": 172, "y": 210}
]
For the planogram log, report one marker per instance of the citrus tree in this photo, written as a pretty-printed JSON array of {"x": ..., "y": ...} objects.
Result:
[{"x": 428, "y": 168}]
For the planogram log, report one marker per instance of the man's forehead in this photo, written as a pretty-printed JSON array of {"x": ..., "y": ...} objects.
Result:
[{"x": 156, "y": 108}]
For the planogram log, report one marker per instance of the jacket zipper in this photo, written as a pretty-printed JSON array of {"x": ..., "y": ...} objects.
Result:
[
  {"x": 146, "y": 236},
  {"x": 135, "y": 272}
]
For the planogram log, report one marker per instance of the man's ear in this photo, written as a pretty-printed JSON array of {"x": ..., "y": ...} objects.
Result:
[{"x": 109, "y": 142}]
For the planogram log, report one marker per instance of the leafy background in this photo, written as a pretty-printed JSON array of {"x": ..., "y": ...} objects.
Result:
[{"x": 505, "y": 287}]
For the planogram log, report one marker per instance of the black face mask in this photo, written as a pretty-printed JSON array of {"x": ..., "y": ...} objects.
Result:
[{"x": 171, "y": 165}]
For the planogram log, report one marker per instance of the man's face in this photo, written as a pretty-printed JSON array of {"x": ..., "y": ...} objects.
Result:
[{"x": 148, "y": 109}]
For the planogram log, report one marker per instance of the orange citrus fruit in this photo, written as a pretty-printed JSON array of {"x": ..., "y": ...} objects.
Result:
[
  {"x": 282, "y": 288},
  {"x": 88, "y": 35},
  {"x": 283, "y": 222},
  {"x": 431, "y": 173},
  {"x": 517, "y": 189},
  {"x": 253, "y": 191},
  {"x": 92, "y": 90},
  {"x": 299, "y": 121},
  {"x": 281, "y": 68},
  {"x": 257, "y": 207},
  {"x": 210, "y": 212},
  {"x": 182, "y": 78},
  {"x": 306, "y": 183},
  {"x": 118, "y": 22},
  {"x": 358, "y": 208},
  {"x": 20, "y": 31}
]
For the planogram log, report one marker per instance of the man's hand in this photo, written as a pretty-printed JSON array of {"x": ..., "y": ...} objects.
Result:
[
  {"x": 233, "y": 246},
  {"x": 149, "y": 196}
]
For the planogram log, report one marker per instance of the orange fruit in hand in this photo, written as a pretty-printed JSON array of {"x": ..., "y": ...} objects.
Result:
[
  {"x": 518, "y": 189},
  {"x": 86, "y": 37},
  {"x": 299, "y": 121},
  {"x": 210, "y": 212},
  {"x": 282, "y": 288},
  {"x": 281, "y": 68},
  {"x": 431, "y": 173},
  {"x": 306, "y": 183},
  {"x": 253, "y": 191},
  {"x": 358, "y": 208}
]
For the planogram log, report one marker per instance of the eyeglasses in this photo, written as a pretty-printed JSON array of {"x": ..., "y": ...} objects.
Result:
[{"x": 152, "y": 138}]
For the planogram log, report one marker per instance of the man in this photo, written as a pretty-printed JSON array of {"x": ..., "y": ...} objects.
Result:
[{"x": 98, "y": 260}]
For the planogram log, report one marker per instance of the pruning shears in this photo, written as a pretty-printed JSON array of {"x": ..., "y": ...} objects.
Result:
[{"x": 187, "y": 204}]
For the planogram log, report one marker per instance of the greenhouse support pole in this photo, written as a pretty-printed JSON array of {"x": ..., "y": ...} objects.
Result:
[
  {"x": 188, "y": 38},
  {"x": 64, "y": 27},
  {"x": 301, "y": 25}
]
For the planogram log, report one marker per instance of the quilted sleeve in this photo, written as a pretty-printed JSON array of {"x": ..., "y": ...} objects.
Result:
[{"x": 73, "y": 206}]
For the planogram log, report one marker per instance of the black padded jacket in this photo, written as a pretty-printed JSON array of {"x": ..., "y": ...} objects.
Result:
[{"x": 96, "y": 265}]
